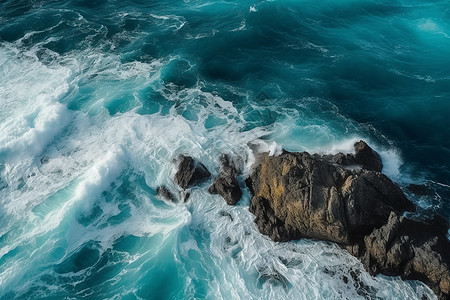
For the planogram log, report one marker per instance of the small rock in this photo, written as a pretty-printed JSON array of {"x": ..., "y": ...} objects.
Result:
[
  {"x": 164, "y": 192},
  {"x": 44, "y": 160},
  {"x": 226, "y": 214},
  {"x": 226, "y": 184},
  {"x": 228, "y": 188},
  {"x": 418, "y": 189},
  {"x": 186, "y": 197},
  {"x": 190, "y": 172}
]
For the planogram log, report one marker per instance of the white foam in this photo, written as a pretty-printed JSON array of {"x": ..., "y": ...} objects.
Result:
[
  {"x": 392, "y": 162},
  {"x": 390, "y": 156},
  {"x": 432, "y": 27},
  {"x": 28, "y": 138},
  {"x": 31, "y": 115},
  {"x": 254, "y": 267},
  {"x": 99, "y": 151},
  {"x": 99, "y": 177}
]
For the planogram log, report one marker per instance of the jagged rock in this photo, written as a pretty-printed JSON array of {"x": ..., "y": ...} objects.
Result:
[
  {"x": 302, "y": 195},
  {"x": 298, "y": 195},
  {"x": 411, "y": 249},
  {"x": 367, "y": 157},
  {"x": 226, "y": 184},
  {"x": 186, "y": 197},
  {"x": 190, "y": 172},
  {"x": 164, "y": 192},
  {"x": 364, "y": 156}
]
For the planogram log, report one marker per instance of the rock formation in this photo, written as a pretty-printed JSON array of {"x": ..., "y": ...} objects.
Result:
[
  {"x": 412, "y": 249},
  {"x": 226, "y": 184},
  {"x": 190, "y": 172},
  {"x": 313, "y": 196},
  {"x": 164, "y": 192},
  {"x": 346, "y": 199}
]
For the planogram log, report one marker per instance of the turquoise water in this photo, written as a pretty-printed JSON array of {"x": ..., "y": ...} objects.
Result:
[{"x": 98, "y": 97}]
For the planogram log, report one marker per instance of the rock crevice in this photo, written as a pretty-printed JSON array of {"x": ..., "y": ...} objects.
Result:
[{"x": 346, "y": 199}]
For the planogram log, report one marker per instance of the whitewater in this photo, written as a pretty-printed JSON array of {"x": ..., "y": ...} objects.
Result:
[{"x": 97, "y": 99}]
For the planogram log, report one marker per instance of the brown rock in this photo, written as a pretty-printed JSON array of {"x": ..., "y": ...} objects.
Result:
[
  {"x": 411, "y": 249},
  {"x": 312, "y": 197},
  {"x": 298, "y": 195}
]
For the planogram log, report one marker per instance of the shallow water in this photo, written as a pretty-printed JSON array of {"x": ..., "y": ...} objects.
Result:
[{"x": 98, "y": 98}]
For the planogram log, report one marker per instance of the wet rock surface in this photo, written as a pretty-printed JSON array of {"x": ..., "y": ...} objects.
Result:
[
  {"x": 190, "y": 172},
  {"x": 345, "y": 198},
  {"x": 226, "y": 184},
  {"x": 303, "y": 195},
  {"x": 164, "y": 192},
  {"x": 412, "y": 249}
]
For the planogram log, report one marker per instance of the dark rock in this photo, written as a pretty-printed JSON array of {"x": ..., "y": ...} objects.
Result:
[
  {"x": 228, "y": 188},
  {"x": 300, "y": 195},
  {"x": 3, "y": 184},
  {"x": 226, "y": 214},
  {"x": 268, "y": 223},
  {"x": 190, "y": 172},
  {"x": 228, "y": 166},
  {"x": 419, "y": 189},
  {"x": 361, "y": 288},
  {"x": 164, "y": 192},
  {"x": 226, "y": 184},
  {"x": 412, "y": 249},
  {"x": 364, "y": 156},
  {"x": 367, "y": 158},
  {"x": 44, "y": 160},
  {"x": 186, "y": 197}
]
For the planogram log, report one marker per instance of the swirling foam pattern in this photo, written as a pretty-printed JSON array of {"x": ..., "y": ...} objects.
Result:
[{"x": 98, "y": 97}]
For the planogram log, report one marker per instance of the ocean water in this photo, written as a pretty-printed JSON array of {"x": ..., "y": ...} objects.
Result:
[{"x": 98, "y": 97}]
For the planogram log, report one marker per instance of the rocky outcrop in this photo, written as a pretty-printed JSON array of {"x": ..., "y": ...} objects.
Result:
[
  {"x": 412, "y": 249},
  {"x": 226, "y": 184},
  {"x": 190, "y": 172},
  {"x": 313, "y": 196},
  {"x": 346, "y": 199},
  {"x": 367, "y": 157},
  {"x": 364, "y": 156}
]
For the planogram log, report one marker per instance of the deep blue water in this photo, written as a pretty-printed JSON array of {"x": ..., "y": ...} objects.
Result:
[{"x": 98, "y": 97}]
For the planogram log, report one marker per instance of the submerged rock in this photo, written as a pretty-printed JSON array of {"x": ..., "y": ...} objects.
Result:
[
  {"x": 190, "y": 172},
  {"x": 164, "y": 192},
  {"x": 226, "y": 184},
  {"x": 299, "y": 195},
  {"x": 44, "y": 160},
  {"x": 419, "y": 189}
]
